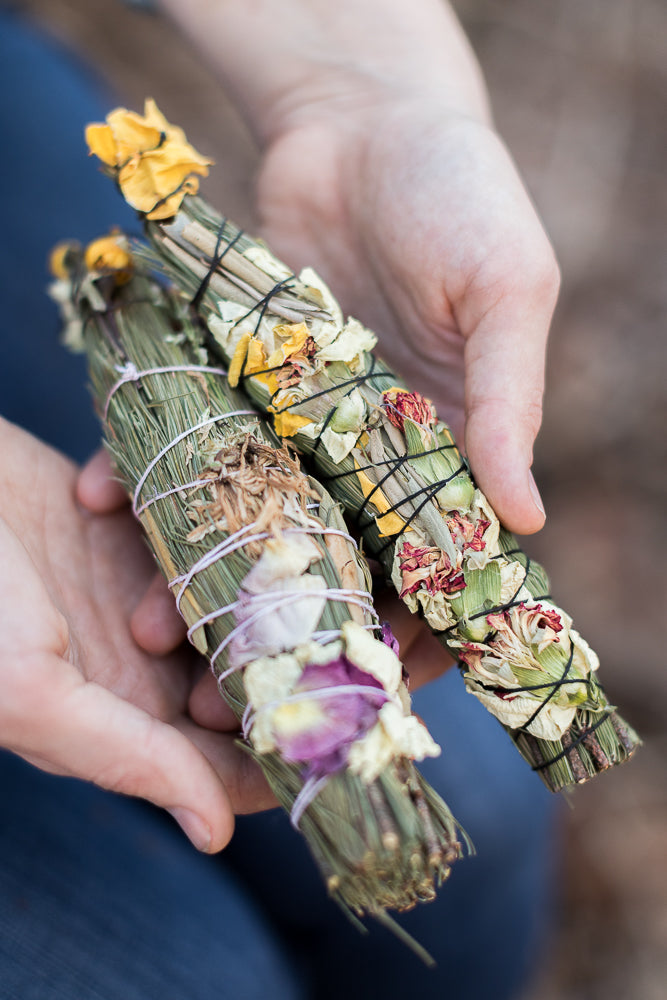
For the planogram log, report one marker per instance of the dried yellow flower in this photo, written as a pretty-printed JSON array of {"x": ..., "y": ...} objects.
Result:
[
  {"x": 110, "y": 253},
  {"x": 58, "y": 257},
  {"x": 152, "y": 160}
]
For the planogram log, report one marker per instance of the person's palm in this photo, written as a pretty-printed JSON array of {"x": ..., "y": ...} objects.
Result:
[
  {"x": 77, "y": 694},
  {"x": 417, "y": 219}
]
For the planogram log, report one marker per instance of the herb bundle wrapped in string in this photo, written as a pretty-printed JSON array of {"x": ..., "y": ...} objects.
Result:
[
  {"x": 383, "y": 453},
  {"x": 273, "y": 589}
]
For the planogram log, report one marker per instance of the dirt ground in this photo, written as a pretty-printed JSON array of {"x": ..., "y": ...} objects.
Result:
[{"x": 578, "y": 91}]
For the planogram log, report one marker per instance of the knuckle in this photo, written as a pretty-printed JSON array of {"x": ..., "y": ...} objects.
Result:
[
  {"x": 533, "y": 415},
  {"x": 124, "y": 770},
  {"x": 526, "y": 268},
  {"x": 121, "y": 777},
  {"x": 546, "y": 272},
  {"x": 538, "y": 268}
]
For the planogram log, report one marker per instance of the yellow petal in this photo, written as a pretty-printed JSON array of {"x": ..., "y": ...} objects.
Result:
[
  {"x": 153, "y": 116},
  {"x": 178, "y": 154},
  {"x": 57, "y": 260},
  {"x": 256, "y": 356},
  {"x": 166, "y": 208},
  {"x": 269, "y": 377},
  {"x": 132, "y": 132},
  {"x": 155, "y": 163},
  {"x": 239, "y": 356},
  {"x": 287, "y": 424},
  {"x": 248, "y": 357},
  {"x": 138, "y": 185},
  {"x": 389, "y": 523},
  {"x": 297, "y": 334},
  {"x": 158, "y": 195},
  {"x": 276, "y": 358},
  {"x": 109, "y": 253},
  {"x": 270, "y": 380},
  {"x": 101, "y": 143}
]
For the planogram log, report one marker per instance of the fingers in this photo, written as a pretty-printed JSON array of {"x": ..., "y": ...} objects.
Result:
[
  {"x": 242, "y": 777},
  {"x": 504, "y": 363},
  {"x": 425, "y": 660},
  {"x": 68, "y": 726},
  {"x": 208, "y": 708},
  {"x": 156, "y": 625},
  {"x": 422, "y": 655},
  {"x": 98, "y": 489}
]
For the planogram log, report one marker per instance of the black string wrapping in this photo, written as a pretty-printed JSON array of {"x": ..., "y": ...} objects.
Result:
[
  {"x": 218, "y": 256},
  {"x": 554, "y": 686},
  {"x": 566, "y": 751},
  {"x": 394, "y": 464},
  {"x": 427, "y": 492}
]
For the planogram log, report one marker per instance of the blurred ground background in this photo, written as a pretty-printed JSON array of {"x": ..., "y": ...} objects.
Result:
[{"x": 580, "y": 93}]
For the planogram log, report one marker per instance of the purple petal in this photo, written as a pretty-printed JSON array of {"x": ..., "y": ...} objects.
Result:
[
  {"x": 343, "y": 718},
  {"x": 388, "y": 637}
]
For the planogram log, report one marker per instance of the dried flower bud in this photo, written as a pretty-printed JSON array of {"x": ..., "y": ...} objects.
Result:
[{"x": 399, "y": 404}]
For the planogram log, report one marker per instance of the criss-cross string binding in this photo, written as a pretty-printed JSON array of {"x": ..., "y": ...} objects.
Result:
[{"x": 416, "y": 500}]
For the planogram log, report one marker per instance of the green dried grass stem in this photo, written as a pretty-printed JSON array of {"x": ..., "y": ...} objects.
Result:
[{"x": 387, "y": 845}]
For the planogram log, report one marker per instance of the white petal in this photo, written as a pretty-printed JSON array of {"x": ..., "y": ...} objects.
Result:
[{"x": 372, "y": 656}]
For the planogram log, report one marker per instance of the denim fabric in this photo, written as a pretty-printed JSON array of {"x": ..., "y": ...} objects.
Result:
[
  {"x": 489, "y": 920},
  {"x": 101, "y": 897},
  {"x": 50, "y": 190}
]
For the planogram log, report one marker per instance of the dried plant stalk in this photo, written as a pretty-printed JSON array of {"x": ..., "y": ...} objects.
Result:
[
  {"x": 384, "y": 455},
  {"x": 394, "y": 466},
  {"x": 273, "y": 590}
]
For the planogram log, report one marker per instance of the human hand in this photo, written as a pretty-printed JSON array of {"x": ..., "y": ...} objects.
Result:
[
  {"x": 380, "y": 168},
  {"x": 77, "y": 695},
  {"x": 418, "y": 221}
]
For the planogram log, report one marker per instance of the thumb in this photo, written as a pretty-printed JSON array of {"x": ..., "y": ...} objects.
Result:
[
  {"x": 88, "y": 732},
  {"x": 505, "y": 359}
]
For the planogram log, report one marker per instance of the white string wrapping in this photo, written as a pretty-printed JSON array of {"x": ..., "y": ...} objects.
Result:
[
  {"x": 268, "y": 602},
  {"x": 308, "y": 793},
  {"x": 167, "y": 493},
  {"x": 179, "y": 437},
  {"x": 231, "y": 544},
  {"x": 332, "y": 691},
  {"x": 274, "y": 603},
  {"x": 130, "y": 373},
  {"x": 330, "y": 634}
]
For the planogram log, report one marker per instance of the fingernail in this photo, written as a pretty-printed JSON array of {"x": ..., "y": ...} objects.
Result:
[
  {"x": 194, "y": 827},
  {"x": 535, "y": 493}
]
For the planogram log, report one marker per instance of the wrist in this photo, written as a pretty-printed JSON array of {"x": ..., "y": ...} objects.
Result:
[{"x": 288, "y": 63}]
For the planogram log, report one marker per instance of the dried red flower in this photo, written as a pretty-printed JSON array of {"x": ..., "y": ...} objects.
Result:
[{"x": 399, "y": 404}]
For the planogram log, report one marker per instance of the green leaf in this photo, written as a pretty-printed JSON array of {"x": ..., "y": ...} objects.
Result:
[{"x": 482, "y": 591}]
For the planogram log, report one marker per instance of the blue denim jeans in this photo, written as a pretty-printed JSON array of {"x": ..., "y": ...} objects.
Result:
[{"x": 102, "y": 897}]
